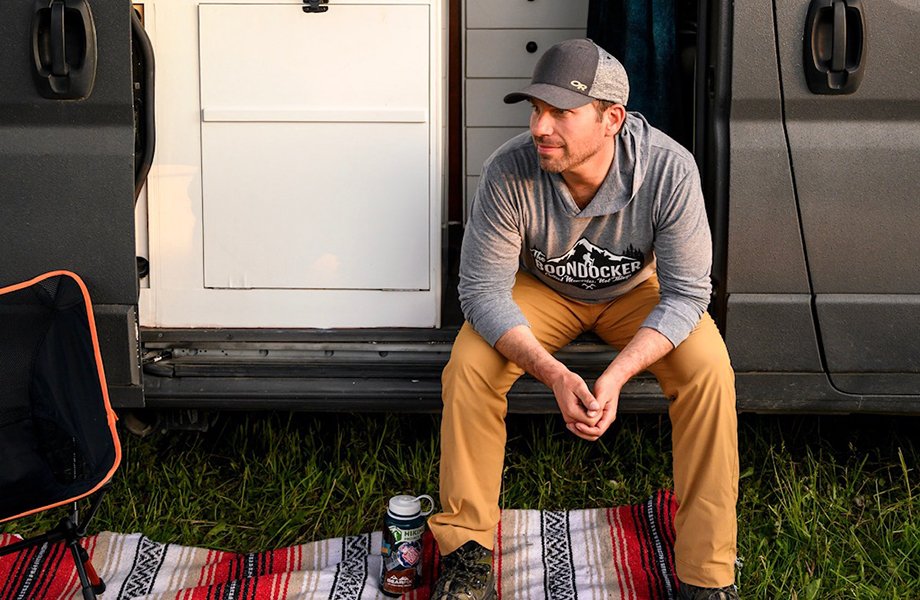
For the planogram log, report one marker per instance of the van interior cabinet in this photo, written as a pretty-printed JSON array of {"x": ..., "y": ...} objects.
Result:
[
  {"x": 298, "y": 180},
  {"x": 502, "y": 41}
]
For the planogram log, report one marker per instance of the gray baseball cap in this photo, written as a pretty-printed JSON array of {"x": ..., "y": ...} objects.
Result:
[{"x": 573, "y": 73}]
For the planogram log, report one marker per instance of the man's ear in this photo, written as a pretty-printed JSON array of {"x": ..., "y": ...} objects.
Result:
[{"x": 614, "y": 119}]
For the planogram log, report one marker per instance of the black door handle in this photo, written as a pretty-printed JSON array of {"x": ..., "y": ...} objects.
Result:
[
  {"x": 58, "y": 41},
  {"x": 63, "y": 49},
  {"x": 835, "y": 44},
  {"x": 838, "y": 58}
]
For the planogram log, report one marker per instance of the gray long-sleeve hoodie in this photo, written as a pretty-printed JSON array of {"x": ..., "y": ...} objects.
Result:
[{"x": 648, "y": 210}]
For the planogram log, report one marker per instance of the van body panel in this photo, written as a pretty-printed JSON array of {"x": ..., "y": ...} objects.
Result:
[
  {"x": 765, "y": 253},
  {"x": 856, "y": 159},
  {"x": 772, "y": 333},
  {"x": 67, "y": 176}
]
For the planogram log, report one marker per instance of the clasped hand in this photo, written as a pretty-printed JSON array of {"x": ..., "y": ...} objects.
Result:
[{"x": 587, "y": 415}]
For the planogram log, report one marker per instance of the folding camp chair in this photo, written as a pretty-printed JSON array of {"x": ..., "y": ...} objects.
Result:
[{"x": 57, "y": 429}]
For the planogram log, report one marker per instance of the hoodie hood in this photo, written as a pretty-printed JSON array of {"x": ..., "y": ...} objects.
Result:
[{"x": 626, "y": 174}]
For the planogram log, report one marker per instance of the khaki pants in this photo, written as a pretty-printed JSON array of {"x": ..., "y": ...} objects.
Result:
[{"x": 696, "y": 377}]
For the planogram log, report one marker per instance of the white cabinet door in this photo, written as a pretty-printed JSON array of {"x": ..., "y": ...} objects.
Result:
[
  {"x": 298, "y": 175},
  {"x": 315, "y": 150}
]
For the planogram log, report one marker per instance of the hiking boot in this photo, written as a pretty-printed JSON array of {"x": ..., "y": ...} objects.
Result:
[
  {"x": 466, "y": 574},
  {"x": 692, "y": 592}
]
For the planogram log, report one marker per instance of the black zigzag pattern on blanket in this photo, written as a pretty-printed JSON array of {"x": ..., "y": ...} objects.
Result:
[
  {"x": 147, "y": 563},
  {"x": 558, "y": 564},
  {"x": 351, "y": 573}
]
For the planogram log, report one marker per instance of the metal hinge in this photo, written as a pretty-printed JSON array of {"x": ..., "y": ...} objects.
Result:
[{"x": 313, "y": 6}]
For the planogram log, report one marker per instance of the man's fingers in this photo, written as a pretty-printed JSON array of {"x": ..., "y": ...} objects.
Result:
[
  {"x": 610, "y": 413},
  {"x": 577, "y": 403},
  {"x": 576, "y": 429},
  {"x": 587, "y": 432},
  {"x": 594, "y": 431},
  {"x": 586, "y": 398},
  {"x": 577, "y": 414}
]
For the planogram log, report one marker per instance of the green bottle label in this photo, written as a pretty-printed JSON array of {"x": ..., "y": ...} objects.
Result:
[{"x": 406, "y": 535}]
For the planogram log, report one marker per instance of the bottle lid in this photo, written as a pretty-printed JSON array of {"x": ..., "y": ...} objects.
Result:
[{"x": 405, "y": 506}]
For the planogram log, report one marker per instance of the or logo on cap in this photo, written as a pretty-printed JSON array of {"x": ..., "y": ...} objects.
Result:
[{"x": 579, "y": 85}]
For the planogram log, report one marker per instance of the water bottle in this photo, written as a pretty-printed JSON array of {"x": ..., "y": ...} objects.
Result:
[{"x": 403, "y": 527}]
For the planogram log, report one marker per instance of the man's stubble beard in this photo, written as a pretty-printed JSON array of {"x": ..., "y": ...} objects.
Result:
[{"x": 566, "y": 162}]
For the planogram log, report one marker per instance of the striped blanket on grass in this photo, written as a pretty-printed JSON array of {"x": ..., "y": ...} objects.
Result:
[{"x": 616, "y": 553}]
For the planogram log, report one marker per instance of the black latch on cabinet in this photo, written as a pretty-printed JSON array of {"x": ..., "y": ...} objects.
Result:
[
  {"x": 834, "y": 52},
  {"x": 313, "y": 6}
]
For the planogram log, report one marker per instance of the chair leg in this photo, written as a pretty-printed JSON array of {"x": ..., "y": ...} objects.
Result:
[
  {"x": 94, "y": 579},
  {"x": 92, "y": 583},
  {"x": 89, "y": 579}
]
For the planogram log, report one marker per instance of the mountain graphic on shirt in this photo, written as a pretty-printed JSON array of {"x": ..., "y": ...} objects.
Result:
[{"x": 589, "y": 266}]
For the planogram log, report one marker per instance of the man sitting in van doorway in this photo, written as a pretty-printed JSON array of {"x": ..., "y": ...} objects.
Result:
[{"x": 593, "y": 222}]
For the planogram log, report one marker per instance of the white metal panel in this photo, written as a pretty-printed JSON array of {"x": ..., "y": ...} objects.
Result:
[
  {"x": 540, "y": 14},
  {"x": 485, "y": 106},
  {"x": 314, "y": 205},
  {"x": 275, "y": 309},
  {"x": 503, "y": 53},
  {"x": 277, "y": 57},
  {"x": 481, "y": 142}
]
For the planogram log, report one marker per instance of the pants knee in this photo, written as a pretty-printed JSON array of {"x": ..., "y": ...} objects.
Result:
[
  {"x": 477, "y": 376},
  {"x": 705, "y": 371}
]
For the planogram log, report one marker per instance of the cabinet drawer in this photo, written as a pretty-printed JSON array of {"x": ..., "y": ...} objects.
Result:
[
  {"x": 481, "y": 142},
  {"x": 504, "y": 52},
  {"x": 485, "y": 106},
  {"x": 259, "y": 63},
  {"x": 539, "y": 14}
]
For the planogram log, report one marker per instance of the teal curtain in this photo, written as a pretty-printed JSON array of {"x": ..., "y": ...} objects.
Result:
[{"x": 644, "y": 36}]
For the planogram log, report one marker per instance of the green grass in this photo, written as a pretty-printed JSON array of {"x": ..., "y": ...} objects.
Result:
[{"x": 829, "y": 507}]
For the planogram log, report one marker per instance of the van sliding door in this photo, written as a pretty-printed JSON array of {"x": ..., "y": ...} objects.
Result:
[
  {"x": 67, "y": 164},
  {"x": 855, "y": 154}
]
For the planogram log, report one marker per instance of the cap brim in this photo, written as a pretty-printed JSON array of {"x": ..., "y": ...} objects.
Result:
[{"x": 551, "y": 94}]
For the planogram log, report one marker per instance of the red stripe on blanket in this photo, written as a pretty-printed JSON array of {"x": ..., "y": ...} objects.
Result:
[
  {"x": 614, "y": 544},
  {"x": 621, "y": 514},
  {"x": 49, "y": 582},
  {"x": 636, "y": 556},
  {"x": 13, "y": 565}
]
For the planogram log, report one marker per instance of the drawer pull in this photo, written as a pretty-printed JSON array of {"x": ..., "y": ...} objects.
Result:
[{"x": 531, "y": 47}]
